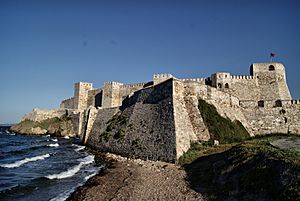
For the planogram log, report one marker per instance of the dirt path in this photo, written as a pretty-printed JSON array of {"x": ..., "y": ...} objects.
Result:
[{"x": 137, "y": 180}]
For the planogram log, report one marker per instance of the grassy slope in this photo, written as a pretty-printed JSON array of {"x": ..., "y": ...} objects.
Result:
[
  {"x": 220, "y": 128},
  {"x": 53, "y": 125},
  {"x": 240, "y": 168},
  {"x": 251, "y": 170}
]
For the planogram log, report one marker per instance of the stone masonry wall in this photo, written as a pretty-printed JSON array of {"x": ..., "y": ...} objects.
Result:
[
  {"x": 40, "y": 115},
  {"x": 148, "y": 121},
  {"x": 272, "y": 118},
  {"x": 92, "y": 96},
  {"x": 81, "y": 94},
  {"x": 184, "y": 130},
  {"x": 67, "y": 104},
  {"x": 226, "y": 105}
]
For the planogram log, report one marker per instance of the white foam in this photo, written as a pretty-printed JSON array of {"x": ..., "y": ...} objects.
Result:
[
  {"x": 54, "y": 140},
  {"x": 67, "y": 137},
  {"x": 72, "y": 171},
  {"x": 53, "y": 145},
  {"x": 89, "y": 176},
  {"x": 26, "y": 160},
  {"x": 63, "y": 196},
  {"x": 78, "y": 147}
]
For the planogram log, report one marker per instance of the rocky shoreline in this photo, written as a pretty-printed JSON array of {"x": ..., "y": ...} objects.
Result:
[{"x": 135, "y": 179}]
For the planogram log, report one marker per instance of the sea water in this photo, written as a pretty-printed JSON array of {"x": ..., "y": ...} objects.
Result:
[{"x": 42, "y": 167}]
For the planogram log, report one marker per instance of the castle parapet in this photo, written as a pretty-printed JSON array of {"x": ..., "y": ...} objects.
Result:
[
  {"x": 202, "y": 80},
  {"x": 139, "y": 85},
  {"x": 68, "y": 103},
  {"x": 158, "y": 78},
  {"x": 245, "y": 77},
  {"x": 295, "y": 102},
  {"x": 107, "y": 84}
]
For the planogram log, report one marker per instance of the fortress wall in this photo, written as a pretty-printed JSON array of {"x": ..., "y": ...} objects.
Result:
[
  {"x": 200, "y": 80},
  {"x": 243, "y": 88},
  {"x": 125, "y": 90},
  {"x": 67, "y": 104},
  {"x": 91, "y": 96},
  {"x": 268, "y": 120},
  {"x": 183, "y": 112},
  {"x": 158, "y": 78},
  {"x": 77, "y": 117},
  {"x": 40, "y": 115},
  {"x": 242, "y": 77},
  {"x": 226, "y": 104},
  {"x": 149, "y": 125},
  {"x": 136, "y": 86}
]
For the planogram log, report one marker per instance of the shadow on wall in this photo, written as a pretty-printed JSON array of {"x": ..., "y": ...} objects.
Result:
[{"x": 98, "y": 99}]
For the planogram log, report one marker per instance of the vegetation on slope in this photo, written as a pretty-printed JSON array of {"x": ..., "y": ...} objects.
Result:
[
  {"x": 220, "y": 128},
  {"x": 116, "y": 127},
  {"x": 251, "y": 170},
  {"x": 54, "y": 126}
]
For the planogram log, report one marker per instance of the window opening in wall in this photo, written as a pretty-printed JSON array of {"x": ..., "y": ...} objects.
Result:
[
  {"x": 285, "y": 120},
  {"x": 278, "y": 103},
  {"x": 219, "y": 85},
  {"x": 227, "y": 85},
  {"x": 261, "y": 103},
  {"x": 271, "y": 68}
]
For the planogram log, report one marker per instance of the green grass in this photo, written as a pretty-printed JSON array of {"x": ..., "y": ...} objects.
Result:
[
  {"x": 46, "y": 123},
  {"x": 116, "y": 127},
  {"x": 52, "y": 125},
  {"x": 249, "y": 170},
  {"x": 220, "y": 128}
]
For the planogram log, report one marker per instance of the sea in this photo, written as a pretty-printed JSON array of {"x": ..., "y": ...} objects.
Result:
[{"x": 42, "y": 167}]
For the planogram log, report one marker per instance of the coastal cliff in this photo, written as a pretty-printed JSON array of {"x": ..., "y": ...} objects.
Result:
[{"x": 49, "y": 122}]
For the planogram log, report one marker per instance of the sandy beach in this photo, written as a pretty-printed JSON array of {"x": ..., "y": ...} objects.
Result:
[{"x": 128, "y": 179}]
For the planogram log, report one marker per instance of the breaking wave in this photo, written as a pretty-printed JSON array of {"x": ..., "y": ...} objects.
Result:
[
  {"x": 63, "y": 196},
  {"x": 26, "y": 160},
  {"x": 78, "y": 147},
  {"x": 54, "y": 140},
  {"x": 53, "y": 145},
  {"x": 72, "y": 171}
]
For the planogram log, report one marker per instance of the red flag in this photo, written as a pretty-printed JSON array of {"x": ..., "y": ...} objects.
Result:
[{"x": 273, "y": 55}]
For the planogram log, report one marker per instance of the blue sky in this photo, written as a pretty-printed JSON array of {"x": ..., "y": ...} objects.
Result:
[{"x": 47, "y": 46}]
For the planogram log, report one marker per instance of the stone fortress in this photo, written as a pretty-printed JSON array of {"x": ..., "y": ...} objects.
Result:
[{"x": 159, "y": 119}]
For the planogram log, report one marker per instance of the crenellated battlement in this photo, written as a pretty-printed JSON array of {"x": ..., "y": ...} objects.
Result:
[
  {"x": 242, "y": 77},
  {"x": 295, "y": 102},
  {"x": 266, "y": 82},
  {"x": 107, "y": 84},
  {"x": 162, "y": 76},
  {"x": 133, "y": 85},
  {"x": 193, "y": 79}
]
